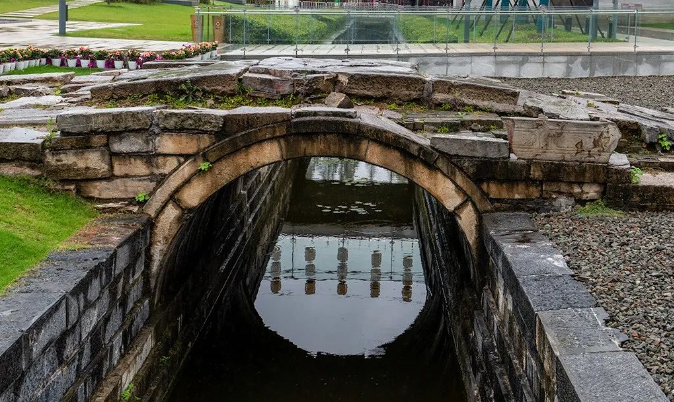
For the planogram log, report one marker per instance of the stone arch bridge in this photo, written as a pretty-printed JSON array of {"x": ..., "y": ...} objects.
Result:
[{"x": 521, "y": 302}]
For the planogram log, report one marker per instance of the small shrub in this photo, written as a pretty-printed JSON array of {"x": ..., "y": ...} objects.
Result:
[
  {"x": 126, "y": 394},
  {"x": 142, "y": 198},
  {"x": 635, "y": 174},
  {"x": 204, "y": 167},
  {"x": 663, "y": 141},
  {"x": 469, "y": 109},
  {"x": 598, "y": 208},
  {"x": 443, "y": 129}
]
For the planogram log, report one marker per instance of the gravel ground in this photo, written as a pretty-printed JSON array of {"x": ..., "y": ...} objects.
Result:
[
  {"x": 628, "y": 265},
  {"x": 651, "y": 91}
]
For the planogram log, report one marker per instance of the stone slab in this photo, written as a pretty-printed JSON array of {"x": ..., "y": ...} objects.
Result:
[
  {"x": 319, "y": 111},
  {"x": 46, "y": 78},
  {"x": 576, "y": 331},
  {"x": 105, "y": 120},
  {"x": 562, "y": 140},
  {"x": 606, "y": 377},
  {"x": 77, "y": 164},
  {"x": 474, "y": 92},
  {"x": 28, "y": 102},
  {"x": 554, "y": 108},
  {"x": 470, "y": 146},
  {"x": 21, "y": 144}
]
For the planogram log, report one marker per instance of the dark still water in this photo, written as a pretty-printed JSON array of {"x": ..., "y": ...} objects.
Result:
[{"x": 342, "y": 312}]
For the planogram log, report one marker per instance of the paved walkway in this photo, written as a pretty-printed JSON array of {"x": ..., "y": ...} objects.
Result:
[
  {"x": 43, "y": 33},
  {"x": 430, "y": 49},
  {"x": 34, "y": 12}
]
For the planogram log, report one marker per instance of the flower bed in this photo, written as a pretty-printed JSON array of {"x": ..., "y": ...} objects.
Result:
[{"x": 21, "y": 58}]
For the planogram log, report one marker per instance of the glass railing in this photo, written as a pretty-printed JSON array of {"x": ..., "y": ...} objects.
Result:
[{"x": 418, "y": 30}]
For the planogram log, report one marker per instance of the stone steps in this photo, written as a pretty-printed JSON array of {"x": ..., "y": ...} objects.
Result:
[{"x": 654, "y": 192}]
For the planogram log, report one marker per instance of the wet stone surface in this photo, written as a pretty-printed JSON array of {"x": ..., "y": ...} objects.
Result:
[{"x": 626, "y": 263}]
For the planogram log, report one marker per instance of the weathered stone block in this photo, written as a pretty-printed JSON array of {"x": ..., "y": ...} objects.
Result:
[
  {"x": 20, "y": 168},
  {"x": 247, "y": 118},
  {"x": 137, "y": 165},
  {"x": 45, "y": 78},
  {"x": 116, "y": 188},
  {"x": 126, "y": 143},
  {"x": 197, "y": 120},
  {"x": 267, "y": 86},
  {"x": 335, "y": 99},
  {"x": 397, "y": 87},
  {"x": 554, "y": 107},
  {"x": 605, "y": 377},
  {"x": 314, "y": 84},
  {"x": 77, "y": 164},
  {"x": 569, "y": 171},
  {"x": 21, "y": 144},
  {"x": 105, "y": 120},
  {"x": 77, "y": 142},
  {"x": 494, "y": 96},
  {"x": 490, "y": 169},
  {"x": 579, "y": 191},
  {"x": 471, "y": 146},
  {"x": 319, "y": 111},
  {"x": 562, "y": 140},
  {"x": 182, "y": 144},
  {"x": 511, "y": 189}
]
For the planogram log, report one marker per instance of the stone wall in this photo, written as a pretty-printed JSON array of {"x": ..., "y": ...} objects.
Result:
[
  {"x": 214, "y": 254},
  {"x": 524, "y": 329},
  {"x": 65, "y": 326},
  {"x": 547, "y": 326}
]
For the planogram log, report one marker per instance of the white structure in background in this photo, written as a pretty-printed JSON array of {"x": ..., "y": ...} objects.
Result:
[{"x": 286, "y": 3}]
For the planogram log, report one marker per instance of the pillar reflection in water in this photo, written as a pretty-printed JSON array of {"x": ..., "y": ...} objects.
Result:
[
  {"x": 361, "y": 216},
  {"x": 275, "y": 270},
  {"x": 310, "y": 270}
]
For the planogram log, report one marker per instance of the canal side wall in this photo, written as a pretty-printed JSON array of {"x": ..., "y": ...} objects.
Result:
[
  {"x": 548, "y": 328},
  {"x": 211, "y": 257},
  {"x": 66, "y": 324},
  {"x": 523, "y": 328}
]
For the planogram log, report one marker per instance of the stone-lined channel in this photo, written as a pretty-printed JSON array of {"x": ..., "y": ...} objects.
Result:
[{"x": 342, "y": 310}]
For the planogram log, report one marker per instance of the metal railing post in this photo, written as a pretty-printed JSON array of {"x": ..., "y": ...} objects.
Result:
[
  {"x": 297, "y": 28},
  {"x": 447, "y": 33},
  {"x": 244, "y": 33},
  {"x": 636, "y": 28},
  {"x": 589, "y": 33}
]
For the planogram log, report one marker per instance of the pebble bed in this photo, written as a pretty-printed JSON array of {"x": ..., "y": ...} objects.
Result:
[
  {"x": 628, "y": 265},
  {"x": 648, "y": 91}
]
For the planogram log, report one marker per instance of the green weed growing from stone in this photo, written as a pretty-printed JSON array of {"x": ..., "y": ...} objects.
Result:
[
  {"x": 663, "y": 141},
  {"x": 142, "y": 198},
  {"x": 635, "y": 174},
  {"x": 469, "y": 109},
  {"x": 126, "y": 394},
  {"x": 204, "y": 167},
  {"x": 443, "y": 130},
  {"x": 598, "y": 208}
]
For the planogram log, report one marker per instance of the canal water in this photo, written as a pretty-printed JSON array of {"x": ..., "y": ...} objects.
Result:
[{"x": 342, "y": 310}]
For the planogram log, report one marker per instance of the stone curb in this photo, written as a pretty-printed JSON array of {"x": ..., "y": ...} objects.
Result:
[{"x": 563, "y": 329}]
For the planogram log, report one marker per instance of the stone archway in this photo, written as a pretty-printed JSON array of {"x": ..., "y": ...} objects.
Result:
[{"x": 366, "y": 138}]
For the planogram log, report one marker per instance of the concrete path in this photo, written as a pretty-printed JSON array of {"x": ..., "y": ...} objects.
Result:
[
  {"x": 43, "y": 33},
  {"x": 34, "y": 12},
  {"x": 430, "y": 49}
]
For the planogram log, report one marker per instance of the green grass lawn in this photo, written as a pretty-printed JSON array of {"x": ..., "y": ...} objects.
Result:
[
  {"x": 427, "y": 29},
  {"x": 52, "y": 69},
  {"x": 158, "y": 21},
  {"x": 16, "y": 5},
  {"x": 34, "y": 221},
  {"x": 661, "y": 25}
]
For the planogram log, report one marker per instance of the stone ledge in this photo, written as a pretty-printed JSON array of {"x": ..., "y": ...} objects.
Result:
[
  {"x": 559, "y": 319},
  {"x": 105, "y": 120}
]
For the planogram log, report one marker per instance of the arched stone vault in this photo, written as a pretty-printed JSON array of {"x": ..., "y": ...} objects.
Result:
[{"x": 363, "y": 137}]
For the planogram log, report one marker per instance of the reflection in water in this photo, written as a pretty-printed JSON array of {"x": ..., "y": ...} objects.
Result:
[{"x": 342, "y": 313}]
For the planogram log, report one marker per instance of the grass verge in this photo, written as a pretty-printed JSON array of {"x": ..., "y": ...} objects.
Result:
[
  {"x": 33, "y": 221},
  {"x": 7, "y": 6},
  {"x": 52, "y": 69},
  {"x": 598, "y": 208}
]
